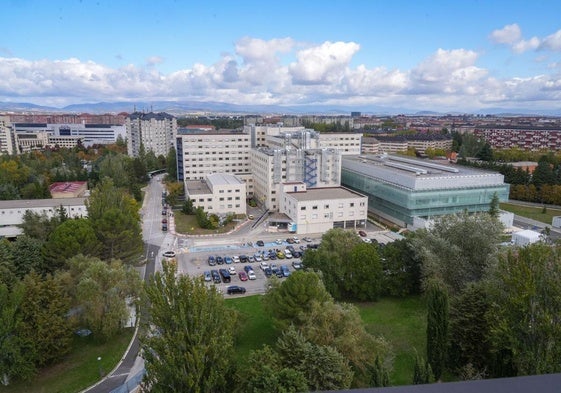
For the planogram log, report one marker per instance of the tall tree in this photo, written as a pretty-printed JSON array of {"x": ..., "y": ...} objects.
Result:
[
  {"x": 116, "y": 221},
  {"x": 171, "y": 161},
  {"x": 525, "y": 291},
  {"x": 437, "y": 327},
  {"x": 17, "y": 354},
  {"x": 29, "y": 256},
  {"x": 45, "y": 319},
  {"x": 288, "y": 301},
  {"x": 458, "y": 248},
  {"x": 323, "y": 366},
  {"x": 103, "y": 291},
  {"x": 402, "y": 269},
  {"x": 189, "y": 336},
  {"x": 70, "y": 238},
  {"x": 494, "y": 206}
]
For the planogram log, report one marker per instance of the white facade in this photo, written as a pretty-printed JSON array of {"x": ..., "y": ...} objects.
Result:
[
  {"x": 11, "y": 212},
  {"x": 526, "y": 237},
  {"x": 218, "y": 193},
  {"x": 316, "y": 210},
  {"x": 89, "y": 134},
  {"x": 155, "y": 131},
  {"x": 202, "y": 153},
  {"x": 272, "y": 167}
]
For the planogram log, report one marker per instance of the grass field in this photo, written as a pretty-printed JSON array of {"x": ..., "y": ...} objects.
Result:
[
  {"x": 188, "y": 225},
  {"x": 535, "y": 213},
  {"x": 79, "y": 369},
  {"x": 402, "y": 322}
]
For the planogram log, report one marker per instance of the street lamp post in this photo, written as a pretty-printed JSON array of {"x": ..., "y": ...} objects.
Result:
[{"x": 99, "y": 365}]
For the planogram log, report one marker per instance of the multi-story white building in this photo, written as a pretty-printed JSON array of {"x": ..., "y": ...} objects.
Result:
[
  {"x": 11, "y": 212},
  {"x": 272, "y": 167},
  {"x": 88, "y": 134},
  {"x": 316, "y": 210},
  {"x": 218, "y": 193},
  {"x": 7, "y": 145},
  {"x": 155, "y": 131},
  {"x": 200, "y": 153}
]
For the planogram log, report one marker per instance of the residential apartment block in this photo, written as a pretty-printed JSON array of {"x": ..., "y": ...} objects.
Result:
[
  {"x": 7, "y": 142},
  {"x": 525, "y": 138},
  {"x": 155, "y": 131}
]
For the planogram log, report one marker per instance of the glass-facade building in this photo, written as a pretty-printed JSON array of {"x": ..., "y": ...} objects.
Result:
[{"x": 401, "y": 189}]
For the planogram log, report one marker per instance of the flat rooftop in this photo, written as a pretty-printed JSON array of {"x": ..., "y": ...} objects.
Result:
[
  {"x": 197, "y": 187},
  {"x": 417, "y": 174},
  {"x": 314, "y": 194},
  {"x": 218, "y": 179},
  {"x": 40, "y": 203}
]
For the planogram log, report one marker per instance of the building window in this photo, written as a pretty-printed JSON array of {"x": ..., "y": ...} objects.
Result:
[
  {"x": 352, "y": 204},
  {"x": 326, "y": 207},
  {"x": 302, "y": 207}
]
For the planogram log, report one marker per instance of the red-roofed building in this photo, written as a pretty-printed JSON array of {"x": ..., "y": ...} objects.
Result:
[{"x": 71, "y": 189}]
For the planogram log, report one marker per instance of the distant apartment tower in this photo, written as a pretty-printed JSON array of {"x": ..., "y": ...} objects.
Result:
[
  {"x": 7, "y": 145},
  {"x": 525, "y": 138},
  {"x": 155, "y": 131}
]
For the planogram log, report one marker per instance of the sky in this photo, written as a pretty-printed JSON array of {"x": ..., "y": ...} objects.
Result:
[{"x": 455, "y": 55}]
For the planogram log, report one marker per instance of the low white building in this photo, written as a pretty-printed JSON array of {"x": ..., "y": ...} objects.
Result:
[
  {"x": 11, "y": 212},
  {"x": 316, "y": 210},
  {"x": 218, "y": 193}
]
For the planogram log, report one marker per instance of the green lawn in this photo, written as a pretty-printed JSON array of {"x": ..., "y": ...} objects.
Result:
[
  {"x": 188, "y": 225},
  {"x": 79, "y": 369},
  {"x": 402, "y": 322},
  {"x": 535, "y": 213}
]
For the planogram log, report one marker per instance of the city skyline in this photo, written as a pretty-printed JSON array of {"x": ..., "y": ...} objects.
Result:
[{"x": 427, "y": 56}]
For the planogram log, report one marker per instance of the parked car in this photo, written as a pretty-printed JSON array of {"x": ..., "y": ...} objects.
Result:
[
  {"x": 248, "y": 268},
  {"x": 244, "y": 259},
  {"x": 296, "y": 240},
  {"x": 260, "y": 243},
  {"x": 228, "y": 260},
  {"x": 242, "y": 276},
  {"x": 236, "y": 259},
  {"x": 263, "y": 265},
  {"x": 297, "y": 265},
  {"x": 164, "y": 220},
  {"x": 251, "y": 275},
  {"x": 207, "y": 276},
  {"x": 366, "y": 240},
  {"x": 280, "y": 254},
  {"x": 279, "y": 241},
  {"x": 257, "y": 258},
  {"x": 219, "y": 260},
  {"x": 287, "y": 254},
  {"x": 232, "y": 270},
  {"x": 211, "y": 260},
  {"x": 233, "y": 289},
  {"x": 307, "y": 239},
  {"x": 164, "y": 227},
  {"x": 268, "y": 272},
  {"x": 226, "y": 278},
  {"x": 285, "y": 271},
  {"x": 362, "y": 233},
  {"x": 169, "y": 254},
  {"x": 215, "y": 276},
  {"x": 290, "y": 240}
]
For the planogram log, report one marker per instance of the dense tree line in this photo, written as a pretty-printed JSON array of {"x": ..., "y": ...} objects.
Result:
[
  {"x": 328, "y": 127},
  {"x": 28, "y": 175},
  {"x": 66, "y": 274},
  {"x": 218, "y": 123}
]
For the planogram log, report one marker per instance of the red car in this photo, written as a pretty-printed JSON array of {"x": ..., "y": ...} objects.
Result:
[
  {"x": 164, "y": 221},
  {"x": 242, "y": 276},
  {"x": 362, "y": 233}
]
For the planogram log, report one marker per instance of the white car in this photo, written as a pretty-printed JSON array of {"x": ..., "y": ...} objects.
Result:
[
  {"x": 236, "y": 259},
  {"x": 232, "y": 270},
  {"x": 263, "y": 265},
  {"x": 287, "y": 254},
  {"x": 296, "y": 240},
  {"x": 251, "y": 275},
  {"x": 257, "y": 258},
  {"x": 279, "y": 241}
]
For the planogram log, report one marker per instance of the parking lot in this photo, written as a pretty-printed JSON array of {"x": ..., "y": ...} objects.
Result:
[{"x": 194, "y": 260}]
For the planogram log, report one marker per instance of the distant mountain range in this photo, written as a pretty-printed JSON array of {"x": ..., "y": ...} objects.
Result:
[{"x": 184, "y": 107}]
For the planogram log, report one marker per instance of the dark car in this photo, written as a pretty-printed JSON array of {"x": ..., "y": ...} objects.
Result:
[
  {"x": 228, "y": 260},
  {"x": 235, "y": 289},
  {"x": 244, "y": 259},
  {"x": 225, "y": 274},
  {"x": 248, "y": 268},
  {"x": 268, "y": 272},
  {"x": 164, "y": 221},
  {"x": 215, "y": 276},
  {"x": 164, "y": 227},
  {"x": 164, "y": 212},
  {"x": 362, "y": 233},
  {"x": 285, "y": 271},
  {"x": 290, "y": 240},
  {"x": 211, "y": 261},
  {"x": 297, "y": 265},
  {"x": 219, "y": 260},
  {"x": 260, "y": 243}
]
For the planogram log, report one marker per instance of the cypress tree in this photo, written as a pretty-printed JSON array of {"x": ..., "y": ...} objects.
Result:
[{"x": 437, "y": 327}]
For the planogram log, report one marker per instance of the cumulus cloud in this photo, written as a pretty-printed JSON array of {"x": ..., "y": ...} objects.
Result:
[
  {"x": 322, "y": 64},
  {"x": 286, "y": 72},
  {"x": 552, "y": 42},
  {"x": 510, "y": 34},
  {"x": 154, "y": 60}
]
